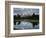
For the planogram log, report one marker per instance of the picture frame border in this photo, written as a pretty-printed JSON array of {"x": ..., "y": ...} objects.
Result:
[{"x": 7, "y": 18}]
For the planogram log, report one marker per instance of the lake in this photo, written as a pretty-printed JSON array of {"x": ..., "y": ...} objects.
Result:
[{"x": 26, "y": 24}]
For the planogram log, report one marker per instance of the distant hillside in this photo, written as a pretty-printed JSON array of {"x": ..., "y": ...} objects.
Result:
[{"x": 33, "y": 17}]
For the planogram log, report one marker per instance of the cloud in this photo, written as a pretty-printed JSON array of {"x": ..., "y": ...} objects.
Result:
[{"x": 25, "y": 11}]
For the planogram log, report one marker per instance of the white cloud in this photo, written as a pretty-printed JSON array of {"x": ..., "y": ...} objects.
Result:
[{"x": 25, "y": 11}]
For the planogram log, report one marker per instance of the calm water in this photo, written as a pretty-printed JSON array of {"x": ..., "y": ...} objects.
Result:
[{"x": 26, "y": 25}]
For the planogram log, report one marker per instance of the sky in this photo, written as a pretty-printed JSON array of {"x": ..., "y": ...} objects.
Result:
[{"x": 25, "y": 11}]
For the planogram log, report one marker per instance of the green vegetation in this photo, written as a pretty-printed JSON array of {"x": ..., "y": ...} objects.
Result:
[{"x": 33, "y": 17}]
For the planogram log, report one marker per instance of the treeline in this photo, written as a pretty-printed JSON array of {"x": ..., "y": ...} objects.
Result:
[{"x": 33, "y": 17}]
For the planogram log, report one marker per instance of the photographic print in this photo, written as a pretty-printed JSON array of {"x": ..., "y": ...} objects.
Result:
[{"x": 26, "y": 18}]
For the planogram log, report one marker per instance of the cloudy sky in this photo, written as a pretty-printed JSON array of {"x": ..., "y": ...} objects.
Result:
[{"x": 25, "y": 11}]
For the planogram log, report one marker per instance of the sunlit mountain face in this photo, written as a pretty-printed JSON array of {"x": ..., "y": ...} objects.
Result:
[{"x": 25, "y": 11}]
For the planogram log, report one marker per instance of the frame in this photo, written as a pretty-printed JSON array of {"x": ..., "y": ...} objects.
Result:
[{"x": 7, "y": 18}]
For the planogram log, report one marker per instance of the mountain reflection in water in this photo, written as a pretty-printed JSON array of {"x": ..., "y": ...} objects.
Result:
[{"x": 25, "y": 24}]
